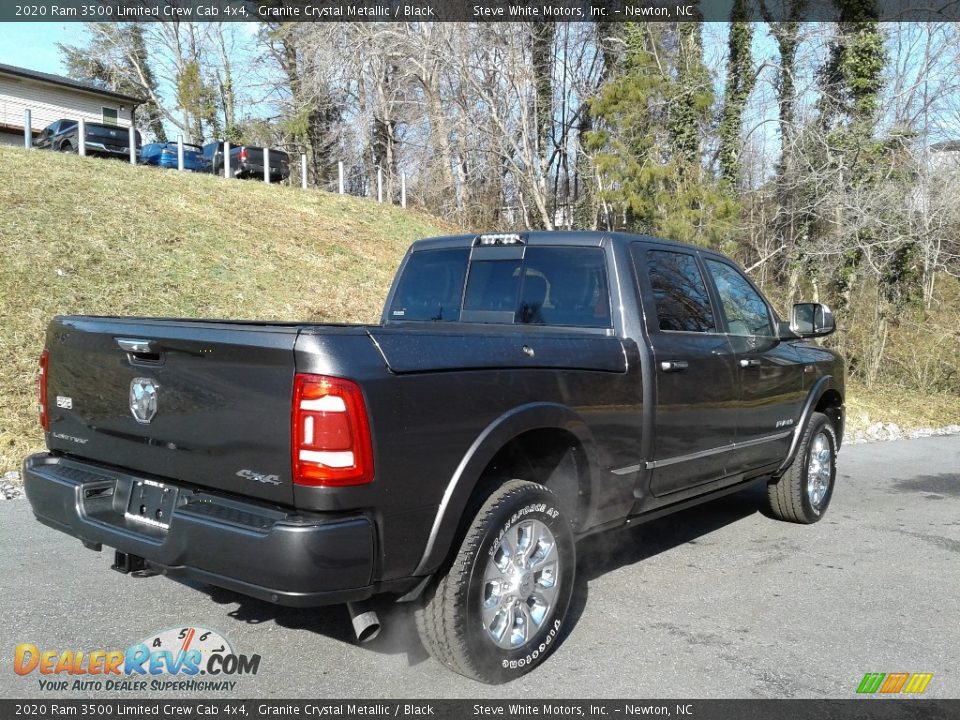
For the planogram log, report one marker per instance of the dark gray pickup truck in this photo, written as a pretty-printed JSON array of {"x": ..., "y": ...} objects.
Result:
[
  {"x": 521, "y": 392},
  {"x": 100, "y": 139},
  {"x": 246, "y": 161}
]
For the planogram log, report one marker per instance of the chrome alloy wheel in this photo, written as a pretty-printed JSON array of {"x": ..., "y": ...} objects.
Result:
[
  {"x": 520, "y": 584},
  {"x": 819, "y": 470}
]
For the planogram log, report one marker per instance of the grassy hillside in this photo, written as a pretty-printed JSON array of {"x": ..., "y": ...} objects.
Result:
[{"x": 83, "y": 235}]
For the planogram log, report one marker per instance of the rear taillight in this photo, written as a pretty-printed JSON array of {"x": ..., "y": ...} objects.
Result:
[
  {"x": 243, "y": 154},
  {"x": 331, "y": 434},
  {"x": 42, "y": 389}
]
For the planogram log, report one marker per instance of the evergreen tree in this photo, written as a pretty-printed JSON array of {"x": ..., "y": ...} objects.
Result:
[{"x": 647, "y": 143}]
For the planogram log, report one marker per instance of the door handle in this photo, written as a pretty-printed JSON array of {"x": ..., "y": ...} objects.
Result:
[
  {"x": 749, "y": 363},
  {"x": 674, "y": 365}
]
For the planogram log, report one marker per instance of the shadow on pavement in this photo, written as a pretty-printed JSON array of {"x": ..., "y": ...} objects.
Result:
[
  {"x": 596, "y": 556},
  {"x": 600, "y": 554}
]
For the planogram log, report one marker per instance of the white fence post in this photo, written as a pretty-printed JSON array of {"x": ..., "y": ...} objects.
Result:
[
  {"x": 180, "y": 153},
  {"x": 379, "y": 184},
  {"x": 266, "y": 165},
  {"x": 226, "y": 158},
  {"x": 132, "y": 143},
  {"x": 403, "y": 190},
  {"x": 82, "y": 136},
  {"x": 340, "y": 176},
  {"x": 27, "y": 130},
  {"x": 303, "y": 170}
]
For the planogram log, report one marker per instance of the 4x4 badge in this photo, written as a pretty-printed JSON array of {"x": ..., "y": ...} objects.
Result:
[{"x": 143, "y": 399}]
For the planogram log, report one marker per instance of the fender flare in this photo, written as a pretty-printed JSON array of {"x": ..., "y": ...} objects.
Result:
[
  {"x": 533, "y": 416},
  {"x": 813, "y": 397}
]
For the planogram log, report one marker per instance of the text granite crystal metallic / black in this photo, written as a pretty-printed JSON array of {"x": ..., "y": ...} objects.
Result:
[{"x": 521, "y": 391}]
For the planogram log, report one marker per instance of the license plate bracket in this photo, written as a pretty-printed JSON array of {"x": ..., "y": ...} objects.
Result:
[{"x": 151, "y": 503}]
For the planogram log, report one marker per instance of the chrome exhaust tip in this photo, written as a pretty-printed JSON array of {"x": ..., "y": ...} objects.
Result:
[{"x": 366, "y": 622}]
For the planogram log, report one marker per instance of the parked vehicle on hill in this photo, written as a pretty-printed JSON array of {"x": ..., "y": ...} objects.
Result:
[
  {"x": 520, "y": 392},
  {"x": 246, "y": 161},
  {"x": 165, "y": 155},
  {"x": 101, "y": 139}
]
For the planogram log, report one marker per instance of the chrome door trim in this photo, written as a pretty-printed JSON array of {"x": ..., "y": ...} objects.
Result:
[{"x": 650, "y": 465}]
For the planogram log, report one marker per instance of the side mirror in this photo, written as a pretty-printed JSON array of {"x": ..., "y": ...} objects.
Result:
[{"x": 812, "y": 320}]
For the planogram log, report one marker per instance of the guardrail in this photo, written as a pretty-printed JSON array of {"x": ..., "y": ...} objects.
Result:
[{"x": 227, "y": 173}]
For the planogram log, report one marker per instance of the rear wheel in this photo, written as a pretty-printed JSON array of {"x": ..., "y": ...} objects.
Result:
[
  {"x": 497, "y": 611},
  {"x": 803, "y": 493}
]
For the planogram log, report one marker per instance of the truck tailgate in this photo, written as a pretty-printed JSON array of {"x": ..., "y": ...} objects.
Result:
[{"x": 220, "y": 394}]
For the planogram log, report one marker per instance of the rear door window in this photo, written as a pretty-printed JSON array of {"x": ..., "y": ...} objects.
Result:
[{"x": 679, "y": 291}]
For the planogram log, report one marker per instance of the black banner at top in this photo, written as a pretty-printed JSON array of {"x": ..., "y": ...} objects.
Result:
[
  {"x": 148, "y": 709},
  {"x": 467, "y": 10}
]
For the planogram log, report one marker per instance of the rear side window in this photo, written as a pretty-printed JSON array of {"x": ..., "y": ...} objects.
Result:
[
  {"x": 680, "y": 292},
  {"x": 431, "y": 287}
]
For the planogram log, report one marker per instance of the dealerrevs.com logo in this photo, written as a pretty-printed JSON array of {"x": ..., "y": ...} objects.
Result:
[{"x": 189, "y": 659}]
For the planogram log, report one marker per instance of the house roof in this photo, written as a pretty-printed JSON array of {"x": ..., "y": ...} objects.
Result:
[
  {"x": 67, "y": 83},
  {"x": 946, "y": 146}
]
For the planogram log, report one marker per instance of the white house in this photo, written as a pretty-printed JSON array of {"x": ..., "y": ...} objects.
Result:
[
  {"x": 945, "y": 155},
  {"x": 53, "y": 97}
]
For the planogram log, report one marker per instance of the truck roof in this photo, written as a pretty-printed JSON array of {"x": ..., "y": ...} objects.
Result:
[{"x": 583, "y": 238}]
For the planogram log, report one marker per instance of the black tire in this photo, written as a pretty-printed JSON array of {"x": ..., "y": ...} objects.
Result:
[
  {"x": 794, "y": 496},
  {"x": 66, "y": 147},
  {"x": 450, "y": 619}
]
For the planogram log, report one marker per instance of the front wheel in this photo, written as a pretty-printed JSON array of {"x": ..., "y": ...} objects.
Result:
[
  {"x": 498, "y": 610},
  {"x": 803, "y": 493}
]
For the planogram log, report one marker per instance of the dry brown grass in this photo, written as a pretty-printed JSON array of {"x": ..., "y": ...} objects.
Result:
[
  {"x": 83, "y": 235},
  {"x": 909, "y": 409}
]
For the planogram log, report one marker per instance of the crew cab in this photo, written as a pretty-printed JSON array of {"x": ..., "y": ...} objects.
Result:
[{"x": 520, "y": 392}]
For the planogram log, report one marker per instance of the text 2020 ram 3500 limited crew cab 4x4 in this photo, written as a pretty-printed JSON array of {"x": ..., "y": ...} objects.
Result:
[{"x": 521, "y": 391}]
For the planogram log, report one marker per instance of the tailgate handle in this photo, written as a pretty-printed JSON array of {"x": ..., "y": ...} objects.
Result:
[{"x": 139, "y": 350}]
